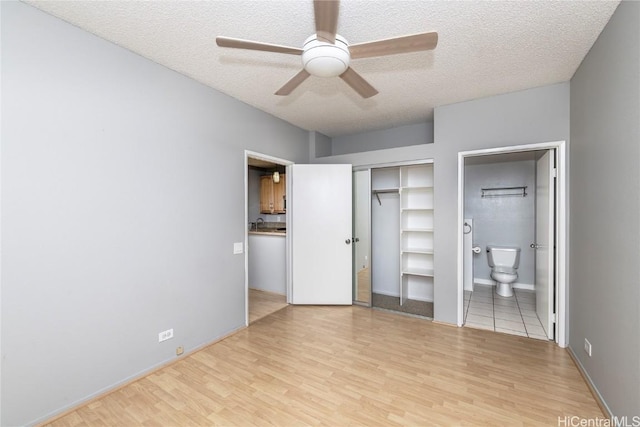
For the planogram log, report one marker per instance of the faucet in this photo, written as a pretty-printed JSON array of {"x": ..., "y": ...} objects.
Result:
[{"x": 258, "y": 221}]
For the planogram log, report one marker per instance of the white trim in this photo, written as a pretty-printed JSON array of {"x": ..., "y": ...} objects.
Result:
[
  {"x": 370, "y": 166},
  {"x": 561, "y": 226},
  {"x": 276, "y": 160},
  {"x": 289, "y": 220},
  {"x": 460, "y": 257},
  {"x": 266, "y": 157}
]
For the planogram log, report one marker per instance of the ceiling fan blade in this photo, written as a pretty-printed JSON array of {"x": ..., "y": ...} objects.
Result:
[
  {"x": 326, "y": 14},
  {"x": 248, "y": 44},
  {"x": 293, "y": 83},
  {"x": 358, "y": 84},
  {"x": 404, "y": 44}
]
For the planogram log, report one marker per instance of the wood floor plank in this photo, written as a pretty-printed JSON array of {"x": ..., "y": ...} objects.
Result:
[
  {"x": 308, "y": 365},
  {"x": 263, "y": 303}
]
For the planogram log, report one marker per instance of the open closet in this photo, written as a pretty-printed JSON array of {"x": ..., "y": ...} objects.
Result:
[{"x": 401, "y": 218}]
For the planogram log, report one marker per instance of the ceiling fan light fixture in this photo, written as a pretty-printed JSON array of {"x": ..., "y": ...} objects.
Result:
[{"x": 322, "y": 59}]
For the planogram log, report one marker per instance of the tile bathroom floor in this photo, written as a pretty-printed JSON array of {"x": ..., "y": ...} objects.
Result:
[{"x": 515, "y": 315}]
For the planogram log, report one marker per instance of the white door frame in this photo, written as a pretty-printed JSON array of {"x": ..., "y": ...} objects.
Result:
[
  {"x": 281, "y": 162},
  {"x": 561, "y": 259}
]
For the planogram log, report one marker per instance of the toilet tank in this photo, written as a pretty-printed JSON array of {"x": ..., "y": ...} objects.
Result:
[{"x": 503, "y": 256}]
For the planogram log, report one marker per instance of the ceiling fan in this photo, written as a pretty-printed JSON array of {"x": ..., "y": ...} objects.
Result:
[{"x": 327, "y": 54}]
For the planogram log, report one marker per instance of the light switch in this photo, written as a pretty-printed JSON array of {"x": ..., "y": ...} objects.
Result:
[{"x": 237, "y": 248}]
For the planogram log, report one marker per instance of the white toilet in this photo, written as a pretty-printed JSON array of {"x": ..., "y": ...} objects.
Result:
[{"x": 504, "y": 261}]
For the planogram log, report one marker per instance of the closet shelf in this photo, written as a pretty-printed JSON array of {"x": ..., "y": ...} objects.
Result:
[
  {"x": 504, "y": 192},
  {"x": 417, "y": 251},
  {"x": 417, "y": 230},
  {"x": 426, "y": 272}
]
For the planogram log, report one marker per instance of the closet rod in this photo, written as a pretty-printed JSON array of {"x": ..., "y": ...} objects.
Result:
[
  {"x": 393, "y": 190},
  {"x": 504, "y": 191}
]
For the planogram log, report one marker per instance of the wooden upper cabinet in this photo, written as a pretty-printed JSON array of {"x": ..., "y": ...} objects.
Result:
[
  {"x": 280, "y": 194},
  {"x": 272, "y": 195},
  {"x": 266, "y": 194}
]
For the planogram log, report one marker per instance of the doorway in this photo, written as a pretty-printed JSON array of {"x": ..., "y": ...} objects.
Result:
[
  {"x": 514, "y": 197},
  {"x": 265, "y": 235},
  {"x": 319, "y": 234}
]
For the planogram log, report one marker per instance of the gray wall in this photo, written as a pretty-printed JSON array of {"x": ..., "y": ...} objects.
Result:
[
  {"x": 525, "y": 117},
  {"x": 320, "y": 144},
  {"x": 504, "y": 221},
  {"x": 605, "y": 199},
  {"x": 122, "y": 196},
  {"x": 421, "y": 133}
]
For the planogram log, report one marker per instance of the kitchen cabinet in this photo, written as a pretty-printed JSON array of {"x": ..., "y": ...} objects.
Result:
[{"x": 272, "y": 195}]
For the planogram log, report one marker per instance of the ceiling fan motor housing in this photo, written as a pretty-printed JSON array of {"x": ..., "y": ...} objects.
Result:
[{"x": 323, "y": 59}]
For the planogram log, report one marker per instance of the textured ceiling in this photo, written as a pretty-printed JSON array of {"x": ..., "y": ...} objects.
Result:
[{"x": 484, "y": 48}]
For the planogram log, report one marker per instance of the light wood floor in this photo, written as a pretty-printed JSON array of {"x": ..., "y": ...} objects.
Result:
[
  {"x": 363, "y": 293},
  {"x": 262, "y": 303},
  {"x": 310, "y": 365}
]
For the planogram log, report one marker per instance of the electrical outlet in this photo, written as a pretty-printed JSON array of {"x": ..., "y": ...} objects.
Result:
[
  {"x": 587, "y": 347},
  {"x": 179, "y": 350},
  {"x": 165, "y": 335}
]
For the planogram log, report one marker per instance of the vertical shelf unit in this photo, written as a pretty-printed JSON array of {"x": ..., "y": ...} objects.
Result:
[{"x": 416, "y": 233}]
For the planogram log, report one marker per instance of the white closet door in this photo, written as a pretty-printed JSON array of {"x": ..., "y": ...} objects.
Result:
[{"x": 321, "y": 232}]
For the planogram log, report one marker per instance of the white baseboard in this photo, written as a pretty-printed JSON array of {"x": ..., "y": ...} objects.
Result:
[{"x": 516, "y": 285}]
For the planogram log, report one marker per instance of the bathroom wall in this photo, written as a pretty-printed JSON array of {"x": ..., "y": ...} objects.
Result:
[{"x": 507, "y": 221}]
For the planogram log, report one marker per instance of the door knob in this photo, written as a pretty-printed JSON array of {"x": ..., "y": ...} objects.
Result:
[
  {"x": 348, "y": 241},
  {"x": 356, "y": 240},
  {"x": 534, "y": 246}
]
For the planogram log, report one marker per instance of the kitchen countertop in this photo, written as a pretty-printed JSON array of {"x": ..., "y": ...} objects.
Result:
[{"x": 269, "y": 232}]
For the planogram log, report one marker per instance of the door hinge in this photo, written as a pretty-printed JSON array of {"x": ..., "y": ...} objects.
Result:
[
  {"x": 553, "y": 318},
  {"x": 555, "y": 172}
]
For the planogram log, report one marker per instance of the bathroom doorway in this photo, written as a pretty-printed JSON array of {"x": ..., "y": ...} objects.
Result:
[{"x": 514, "y": 198}]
